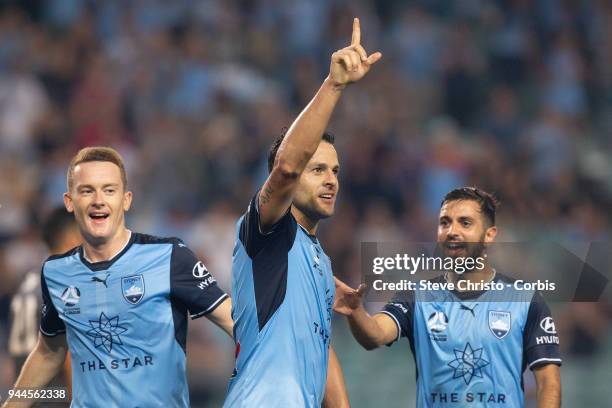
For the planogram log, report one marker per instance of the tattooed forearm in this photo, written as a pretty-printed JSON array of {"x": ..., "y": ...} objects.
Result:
[{"x": 266, "y": 195}]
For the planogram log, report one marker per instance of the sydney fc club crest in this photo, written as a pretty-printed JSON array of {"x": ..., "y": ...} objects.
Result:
[
  {"x": 499, "y": 323},
  {"x": 133, "y": 288}
]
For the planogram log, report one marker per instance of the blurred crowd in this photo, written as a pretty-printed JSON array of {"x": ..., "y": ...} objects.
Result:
[{"x": 514, "y": 96}]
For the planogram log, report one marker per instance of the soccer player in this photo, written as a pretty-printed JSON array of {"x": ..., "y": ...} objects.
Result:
[
  {"x": 282, "y": 282},
  {"x": 120, "y": 301},
  {"x": 60, "y": 234},
  {"x": 470, "y": 347}
]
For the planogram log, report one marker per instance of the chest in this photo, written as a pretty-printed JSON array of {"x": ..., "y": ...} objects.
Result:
[
  {"x": 310, "y": 281},
  {"x": 488, "y": 324},
  {"x": 124, "y": 290},
  {"x": 309, "y": 265}
]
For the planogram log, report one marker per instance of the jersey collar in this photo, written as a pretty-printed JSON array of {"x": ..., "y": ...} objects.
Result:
[{"x": 102, "y": 265}]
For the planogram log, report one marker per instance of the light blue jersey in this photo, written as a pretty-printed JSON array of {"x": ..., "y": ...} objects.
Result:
[
  {"x": 126, "y": 320},
  {"x": 471, "y": 348},
  {"x": 283, "y": 293}
]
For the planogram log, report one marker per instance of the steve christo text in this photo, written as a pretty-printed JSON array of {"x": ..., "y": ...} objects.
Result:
[{"x": 461, "y": 285}]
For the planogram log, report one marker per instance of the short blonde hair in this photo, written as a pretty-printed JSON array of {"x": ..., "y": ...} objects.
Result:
[{"x": 98, "y": 153}]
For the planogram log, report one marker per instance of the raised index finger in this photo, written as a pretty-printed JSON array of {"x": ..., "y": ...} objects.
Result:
[{"x": 356, "y": 38}]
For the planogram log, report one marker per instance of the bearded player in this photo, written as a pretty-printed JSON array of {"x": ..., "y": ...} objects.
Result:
[{"x": 470, "y": 347}]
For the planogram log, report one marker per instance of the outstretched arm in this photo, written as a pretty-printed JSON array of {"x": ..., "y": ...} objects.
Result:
[
  {"x": 335, "y": 388},
  {"x": 369, "y": 331},
  {"x": 348, "y": 65}
]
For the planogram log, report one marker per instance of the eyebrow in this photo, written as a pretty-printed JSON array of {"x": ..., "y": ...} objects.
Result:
[
  {"x": 82, "y": 186},
  {"x": 460, "y": 218},
  {"x": 321, "y": 164}
]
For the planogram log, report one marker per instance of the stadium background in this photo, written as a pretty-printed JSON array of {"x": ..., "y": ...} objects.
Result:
[{"x": 512, "y": 96}]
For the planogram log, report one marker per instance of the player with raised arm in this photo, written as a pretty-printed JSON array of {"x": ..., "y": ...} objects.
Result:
[
  {"x": 470, "y": 347},
  {"x": 282, "y": 281},
  {"x": 120, "y": 301}
]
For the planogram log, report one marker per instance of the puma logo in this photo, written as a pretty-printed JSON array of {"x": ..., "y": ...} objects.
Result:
[
  {"x": 464, "y": 307},
  {"x": 96, "y": 279}
]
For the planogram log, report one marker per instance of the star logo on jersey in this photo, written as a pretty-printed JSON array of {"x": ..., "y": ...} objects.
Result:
[
  {"x": 468, "y": 363},
  {"x": 105, "y": 332}
]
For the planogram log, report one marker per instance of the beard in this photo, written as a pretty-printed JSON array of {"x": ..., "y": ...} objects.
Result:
[{"x": 462, "y": 249}]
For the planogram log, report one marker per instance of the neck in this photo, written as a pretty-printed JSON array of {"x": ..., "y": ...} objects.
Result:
[
  {"x": 98, "y": 252},
  {"x": 305, "y": 221},
  {"x": 485, "y": 274}
]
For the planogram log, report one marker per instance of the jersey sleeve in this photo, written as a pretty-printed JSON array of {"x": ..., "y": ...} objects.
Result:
[
  {"x": 269, "y": 253},
  {"x": 540, "y": 339},
  {"x": 50, "y": 323},
  {"x": 401, "y": 309},
  {"x": 254, "y": 240},
  {"x": 191, "y": 284}
]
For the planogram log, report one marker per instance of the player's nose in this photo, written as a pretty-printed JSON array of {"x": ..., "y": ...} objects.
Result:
[
  {"x": 451, "y": 232},
  {"x": 98, "y": 200},
  {"x": 331, "y": 180}
]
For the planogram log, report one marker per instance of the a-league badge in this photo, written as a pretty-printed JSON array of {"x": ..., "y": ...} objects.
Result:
[
  {"x": 133, "y": 288},
  {"x": 499, "y": 323}
]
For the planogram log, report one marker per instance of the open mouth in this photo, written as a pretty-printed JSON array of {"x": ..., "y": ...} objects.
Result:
[
  {"x": 98, "y": 217},
  {"x": 455, "y": 247},
  {"x": 327, "y": 197}
]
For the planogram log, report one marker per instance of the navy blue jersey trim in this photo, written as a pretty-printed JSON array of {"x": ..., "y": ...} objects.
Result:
[
  {"x": 135, "y": 238},
  {"x": 179, "y": 319},
  {"x": 50, "y": 322},
  {"x": 152, "y": 239},
  {"x": 103, "y": 265},
  {"x": 212, "y": 308},
  {"x": 55, "y": 334},
  {"x": 269, "y": 253},
  {"x": 534, "y": 354},
  {"x": 193, "y": 289},
  {"x": 402, "y": 309}
]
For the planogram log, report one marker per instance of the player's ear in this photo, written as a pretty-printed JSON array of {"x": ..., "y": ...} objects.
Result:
[
  {"x": 68, "y": 202},
  {"x": 490, "y": 234},
  {"x": 127, "y": 200}
]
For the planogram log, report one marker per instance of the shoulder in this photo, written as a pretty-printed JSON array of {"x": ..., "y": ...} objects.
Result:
[
  {"x": 66, "y": 254},
  {"x": 60, "y": 261}
]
